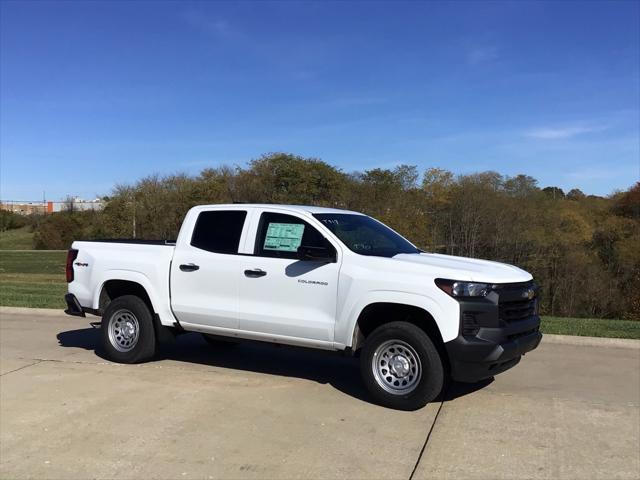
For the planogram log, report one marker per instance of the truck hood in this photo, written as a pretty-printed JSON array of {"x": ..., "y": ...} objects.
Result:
[{"x": 466, "y": 269}]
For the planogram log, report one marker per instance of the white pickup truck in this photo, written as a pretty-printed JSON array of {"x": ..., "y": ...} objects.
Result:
[{"x": 313, "y": 277}]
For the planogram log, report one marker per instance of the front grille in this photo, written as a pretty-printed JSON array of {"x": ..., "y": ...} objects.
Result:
[
  {"x": 516, "y": 310},
  {"x": 513, "y": 304}
]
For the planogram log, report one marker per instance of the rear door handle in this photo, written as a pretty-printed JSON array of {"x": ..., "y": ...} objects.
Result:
[
  {"x": 189, "y": 267},
  {"x": 255, "y": 273}
]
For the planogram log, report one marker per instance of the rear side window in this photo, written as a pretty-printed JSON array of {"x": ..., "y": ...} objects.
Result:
[{"x": 219, "y": 231}]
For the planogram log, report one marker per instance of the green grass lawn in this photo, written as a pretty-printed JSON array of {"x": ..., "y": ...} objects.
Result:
[
  {"x": 32, "y": 278},
  {"x": 35, "y": 290},
  {"x": 591, "y": 327},
  {"x": 18, "y": 239},
  {"x": 33, "y": 261},
  {"x": 35, "y": 278}
]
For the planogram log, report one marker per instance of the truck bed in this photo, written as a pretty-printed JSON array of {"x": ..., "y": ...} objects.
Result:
[
  {"x": 145, "y": 262},
  {"x": 137, "y": 241}
]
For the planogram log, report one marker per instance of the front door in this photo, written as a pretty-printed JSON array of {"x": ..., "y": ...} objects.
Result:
[{"x": 282, "y": 295}]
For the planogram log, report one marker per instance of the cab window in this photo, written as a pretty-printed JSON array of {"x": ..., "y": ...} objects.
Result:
[
  {"x": 280, "y": 235},
  {"x": 219, "y": 231}
]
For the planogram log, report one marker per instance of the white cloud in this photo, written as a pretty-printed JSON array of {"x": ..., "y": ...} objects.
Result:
[
  {"x": 355, "y": 101},
  {"x": 607, "y": 172},
  {"x": 215, "y": 27},
  {"x": 479, "y": 55},
  {"x": 561, "y": 133}
]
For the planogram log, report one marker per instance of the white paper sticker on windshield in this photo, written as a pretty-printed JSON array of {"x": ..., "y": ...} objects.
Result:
[{"x": 284, "y": 237}]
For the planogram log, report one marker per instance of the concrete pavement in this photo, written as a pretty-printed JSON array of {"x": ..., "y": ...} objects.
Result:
[
  {"x": 564, "y": 412},
  {"x": 257, "y": 411}
]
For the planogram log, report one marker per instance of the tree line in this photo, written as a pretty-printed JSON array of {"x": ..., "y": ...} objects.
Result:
[{"x": 583, "y": 250}]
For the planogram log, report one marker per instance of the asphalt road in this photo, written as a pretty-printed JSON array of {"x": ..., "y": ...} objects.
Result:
[{"x": 254, "y": 411}]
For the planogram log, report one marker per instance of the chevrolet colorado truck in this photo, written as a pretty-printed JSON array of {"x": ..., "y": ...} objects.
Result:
[{"x": 314, "y": 277}]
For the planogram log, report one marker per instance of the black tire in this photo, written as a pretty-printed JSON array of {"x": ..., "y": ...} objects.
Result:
[
  {"x": 123, "y": 311},
  {"x": 412, "y": 351},
  {"x": 217, "y": 342}
]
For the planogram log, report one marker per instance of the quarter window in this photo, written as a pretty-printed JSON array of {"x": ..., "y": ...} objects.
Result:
[{"x": 219, "y": 231}]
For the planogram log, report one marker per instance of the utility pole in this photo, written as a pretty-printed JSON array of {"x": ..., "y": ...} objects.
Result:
[{"x": 134, "y": 217}]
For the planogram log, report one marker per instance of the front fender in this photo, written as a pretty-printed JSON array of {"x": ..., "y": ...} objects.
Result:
[{"x": 445, "y": 316}]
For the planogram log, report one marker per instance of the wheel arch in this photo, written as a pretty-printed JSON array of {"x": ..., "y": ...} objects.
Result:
[
  {"x": 115, "y": 283},
  {"x": 116, "y": 287},
  {"x": 444, "y": 312},
  {"x": 379, "y": 313}
]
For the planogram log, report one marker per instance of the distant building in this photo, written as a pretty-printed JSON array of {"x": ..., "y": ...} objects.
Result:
[
  {"x": 23, "y": 208},
  {"x": 75, "y": 203},
  {"x": 40, "y": 208}
]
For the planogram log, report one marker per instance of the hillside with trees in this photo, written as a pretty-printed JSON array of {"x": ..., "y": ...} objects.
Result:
[{"x": 583, "y": 250}]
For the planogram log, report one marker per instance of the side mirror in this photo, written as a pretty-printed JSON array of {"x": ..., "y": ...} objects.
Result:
[{"x": 316, "y": 254}]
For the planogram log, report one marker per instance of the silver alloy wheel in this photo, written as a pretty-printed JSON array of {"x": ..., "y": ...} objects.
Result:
[
  {"x": 124, "y": 330},
  {"x": 396, "y": 367}
]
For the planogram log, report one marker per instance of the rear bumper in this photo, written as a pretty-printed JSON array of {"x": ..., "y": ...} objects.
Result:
[
  {"x": 492, "y": 350},
  {"x": 73, "y": 306}
]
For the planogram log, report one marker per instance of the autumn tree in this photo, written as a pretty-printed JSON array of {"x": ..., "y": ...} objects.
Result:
[{"x": 584, "y": 251}]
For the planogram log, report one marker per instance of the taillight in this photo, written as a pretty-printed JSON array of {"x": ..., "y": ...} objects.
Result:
[{"x": 72, "y": 254}]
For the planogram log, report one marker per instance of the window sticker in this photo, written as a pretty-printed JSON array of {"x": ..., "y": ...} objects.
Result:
[{"x": 283, "y": 237}]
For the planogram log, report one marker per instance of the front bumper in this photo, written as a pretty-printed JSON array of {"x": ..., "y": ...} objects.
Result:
[
  {"x": 495, "y": 332},
  {"x": 492, "y": 351}
]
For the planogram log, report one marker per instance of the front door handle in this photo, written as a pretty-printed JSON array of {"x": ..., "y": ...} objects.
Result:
[
  {"x": 189, "y": 267},
  {"x": 255, "y": 273}
]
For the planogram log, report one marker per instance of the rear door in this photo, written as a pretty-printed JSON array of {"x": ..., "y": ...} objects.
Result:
[
  {"x": 281, "y": 295},
  {"x": 206, "y": 270}
]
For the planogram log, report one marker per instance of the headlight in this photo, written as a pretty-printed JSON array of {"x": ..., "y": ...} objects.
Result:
[{"x": 463, "y": 289}]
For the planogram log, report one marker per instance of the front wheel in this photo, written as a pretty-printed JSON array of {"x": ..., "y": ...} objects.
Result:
[
  {"x": 128, "y": 335},
  {"x": 401, "y": 366}
]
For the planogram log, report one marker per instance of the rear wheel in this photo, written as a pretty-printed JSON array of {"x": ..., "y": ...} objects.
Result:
[
  {"x": 128, "y": 335},
  {"x": 401, "y": 366}
]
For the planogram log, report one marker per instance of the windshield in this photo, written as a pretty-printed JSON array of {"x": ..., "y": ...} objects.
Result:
[{"x": 364, "y": 235}]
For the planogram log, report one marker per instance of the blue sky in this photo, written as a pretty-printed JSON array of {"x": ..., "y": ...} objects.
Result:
[{"x": 98, "y": 93}]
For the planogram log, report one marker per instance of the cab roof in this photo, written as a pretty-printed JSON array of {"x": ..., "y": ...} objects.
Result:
[{"x": 295, "y": 208}]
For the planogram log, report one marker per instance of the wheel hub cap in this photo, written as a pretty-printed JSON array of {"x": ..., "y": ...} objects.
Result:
[
  {"x": 399, "y": 366},
  {"x": 124, "y": 330},
  {"x": 396, "y": 367},
  {"x": 128, "y": 330}
]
